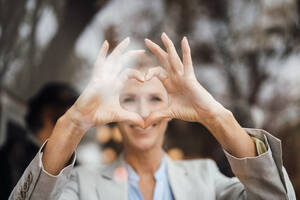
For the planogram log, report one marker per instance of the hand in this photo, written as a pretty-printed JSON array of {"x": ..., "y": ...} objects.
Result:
[
  {"x": 99, "y": 102},
  {"x": 188, "y": 100}
]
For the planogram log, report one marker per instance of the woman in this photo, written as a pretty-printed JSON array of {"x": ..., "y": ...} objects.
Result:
[{"x": 142, "y": 109}]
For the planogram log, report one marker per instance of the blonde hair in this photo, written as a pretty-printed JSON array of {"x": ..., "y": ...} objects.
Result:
[{"x": 146, "y": 61}]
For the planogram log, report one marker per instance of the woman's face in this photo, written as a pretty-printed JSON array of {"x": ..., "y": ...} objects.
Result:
[{"x": 143, "y": 98}]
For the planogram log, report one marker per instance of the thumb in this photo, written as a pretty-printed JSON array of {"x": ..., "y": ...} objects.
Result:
[
  {"x": 159, "y": 72},
  {"x": 157, "y": 116},
  {"x": 133, "y": 117}
]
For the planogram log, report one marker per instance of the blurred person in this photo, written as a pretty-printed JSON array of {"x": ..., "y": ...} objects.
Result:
[
  {"x": 142, "y": 102},
  {"x": 44, "y": 108}
]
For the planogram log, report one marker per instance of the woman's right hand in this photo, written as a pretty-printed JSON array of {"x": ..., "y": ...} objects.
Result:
[{"x": 99, "y": 102}]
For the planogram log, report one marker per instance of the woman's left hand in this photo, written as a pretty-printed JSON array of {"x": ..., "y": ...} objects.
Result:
[{"x": 188, "y": 100}]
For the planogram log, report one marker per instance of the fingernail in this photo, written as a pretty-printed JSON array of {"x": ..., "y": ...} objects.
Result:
[
  {"x": 127, "y": 39},
  {"x": 147, "y": 77},
  {"x": 105, "y": 43},
  {"x": 164, "y": 35},
  {"x": 185, "y": 38}
]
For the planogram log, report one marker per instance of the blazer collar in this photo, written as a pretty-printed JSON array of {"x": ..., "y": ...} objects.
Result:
[
  {"x": 178, "y": 180},
  {"x": 109, "y": 171},
  {"x": 177, "y": 175},
  {"x": 110, "y": 187}
]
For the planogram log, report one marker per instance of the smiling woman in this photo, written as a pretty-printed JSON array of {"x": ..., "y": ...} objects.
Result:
[{"x": 142, "y": 102}]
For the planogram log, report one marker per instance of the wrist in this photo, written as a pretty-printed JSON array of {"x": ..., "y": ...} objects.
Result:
[
  {"x": 210, "y": 111},
  {"x": 217, "y": 116},
  {"x": 74, "y": 121}
]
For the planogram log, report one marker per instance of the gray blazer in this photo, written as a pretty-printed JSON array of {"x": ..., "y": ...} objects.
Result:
[{"x": 262, "y": 177}]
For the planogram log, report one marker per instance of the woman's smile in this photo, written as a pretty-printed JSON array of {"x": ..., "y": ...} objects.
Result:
[{"x": 143, "y": 131}]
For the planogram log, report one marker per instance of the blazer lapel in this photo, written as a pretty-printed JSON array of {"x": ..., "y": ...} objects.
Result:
[
  {"x": 112, "y": 187},
  {"x": 180, "y": 182}
]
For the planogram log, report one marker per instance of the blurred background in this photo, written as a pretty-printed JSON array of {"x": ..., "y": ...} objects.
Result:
[{"x": 245, "y": 52}]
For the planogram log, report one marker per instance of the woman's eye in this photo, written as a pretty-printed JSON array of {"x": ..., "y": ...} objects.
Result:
[
  {"x": 155, "y": 99},
  {"x": 126, "y": 100}
]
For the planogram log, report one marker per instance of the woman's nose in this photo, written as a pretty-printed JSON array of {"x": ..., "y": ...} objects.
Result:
[{"x": 144, "y": 110}]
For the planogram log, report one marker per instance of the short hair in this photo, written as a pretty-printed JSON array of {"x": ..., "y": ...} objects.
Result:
[{"x": 55, "y": 98}]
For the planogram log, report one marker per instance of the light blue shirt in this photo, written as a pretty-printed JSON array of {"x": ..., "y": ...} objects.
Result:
[{"x": 162, "y": 189}]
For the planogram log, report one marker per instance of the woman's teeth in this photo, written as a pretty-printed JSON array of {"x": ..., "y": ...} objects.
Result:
[{"x": 144, "y": 129}]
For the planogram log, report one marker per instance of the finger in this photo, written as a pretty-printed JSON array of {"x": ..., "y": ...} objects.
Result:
[
  {"x": 174, "y": 59},
  {"x": 127, "y": 59},
  {"x": 102, "y": 53},
  {"x": 132, "y": 74},
  {"x": 157, "y": 116},
  {"x": 186, "y": 56},
  {"x": 120, "y": 48},
  {"x": 159, "y": 72},
  {"x": 132, "y": 117},
  {"x": 159, "y": 53},
  {"x": 132, "y": 54}
]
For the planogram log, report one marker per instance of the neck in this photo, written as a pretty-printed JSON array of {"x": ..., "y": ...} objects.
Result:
[{"x": 144, "y": 162}]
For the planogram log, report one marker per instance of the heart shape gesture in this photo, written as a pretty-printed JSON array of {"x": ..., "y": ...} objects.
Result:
[
  {"x": 99, "y": 102},
  {"x": 188, "y": 100}
]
